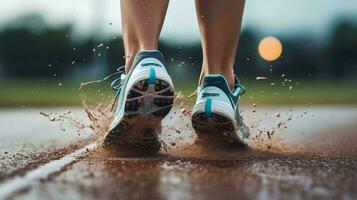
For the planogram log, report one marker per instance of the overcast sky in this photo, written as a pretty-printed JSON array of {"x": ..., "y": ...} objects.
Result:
[{"x": 270, "y": 17}]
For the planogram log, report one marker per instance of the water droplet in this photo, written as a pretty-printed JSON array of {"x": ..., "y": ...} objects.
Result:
[{"x": 261, "y": 78}]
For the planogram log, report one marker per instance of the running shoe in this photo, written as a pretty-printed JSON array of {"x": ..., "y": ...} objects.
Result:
[
  {"x": 144, "y": 97},
  {"x": 216, "y": 110}
]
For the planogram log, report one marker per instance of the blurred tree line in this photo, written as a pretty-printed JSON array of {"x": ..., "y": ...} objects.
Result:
[{"x": 30, "y": 48}]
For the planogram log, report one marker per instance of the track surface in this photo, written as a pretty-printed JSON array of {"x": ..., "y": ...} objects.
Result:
[{"x": 309, "y": 153}]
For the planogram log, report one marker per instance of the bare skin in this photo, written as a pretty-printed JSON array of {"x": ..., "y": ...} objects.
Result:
[
  {"x": 142, "y": 22},
  {"x": 219, "y": 23}
]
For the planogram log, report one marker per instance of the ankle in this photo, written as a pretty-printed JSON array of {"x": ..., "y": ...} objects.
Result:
[
  {"x": 130, "y": 57},
  {"x": 229, "y": 75}
]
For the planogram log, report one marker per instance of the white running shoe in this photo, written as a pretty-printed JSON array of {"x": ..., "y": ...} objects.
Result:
[
  {"x": 216, "y": 110},
  {"x": 144, "y": 97}
]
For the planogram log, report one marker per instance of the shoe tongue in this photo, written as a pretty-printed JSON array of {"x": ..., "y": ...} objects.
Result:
[{"x": 217, "y": 81}]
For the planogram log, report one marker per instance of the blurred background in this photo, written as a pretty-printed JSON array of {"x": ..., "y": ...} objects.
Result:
[{"x": 47, "y": 48}]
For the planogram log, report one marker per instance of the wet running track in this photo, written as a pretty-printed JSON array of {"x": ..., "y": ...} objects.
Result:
[{"x": 293, "y": 153}]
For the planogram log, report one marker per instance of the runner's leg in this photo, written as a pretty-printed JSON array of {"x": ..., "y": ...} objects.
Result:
[
  {"x": 142, "y": 21},
  {"x": 219, "y": 23}
]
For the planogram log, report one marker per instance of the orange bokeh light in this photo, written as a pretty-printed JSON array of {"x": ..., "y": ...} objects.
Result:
[{"x": 270, "y": 48}]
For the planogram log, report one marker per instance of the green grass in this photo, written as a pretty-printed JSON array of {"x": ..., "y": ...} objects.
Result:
[
  {"x": 302, "y": 92},
  {"x": 29, "y": 93},
  {"x": 37, "y": 93}
]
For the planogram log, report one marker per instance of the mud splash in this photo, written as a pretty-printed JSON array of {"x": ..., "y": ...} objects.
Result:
[
  {"x": 177, "y": 135},
  {"x": 96, "y": 104}
]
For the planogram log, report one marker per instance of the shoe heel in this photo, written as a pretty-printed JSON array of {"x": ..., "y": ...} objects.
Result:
[
  {"x": 150, "y": 98},
  {"x": 206, "y": 121}
]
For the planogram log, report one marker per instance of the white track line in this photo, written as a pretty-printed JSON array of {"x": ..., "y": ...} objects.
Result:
[{"x": 20, "y": 182}]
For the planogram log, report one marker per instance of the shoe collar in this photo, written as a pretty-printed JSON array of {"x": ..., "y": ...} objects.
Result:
[{"x": 221, "y": 82}]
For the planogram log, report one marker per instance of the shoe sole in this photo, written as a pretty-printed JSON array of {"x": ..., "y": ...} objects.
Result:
[
  {"x": 217, "y": 126},
  {"x": 145, "y": 107}
]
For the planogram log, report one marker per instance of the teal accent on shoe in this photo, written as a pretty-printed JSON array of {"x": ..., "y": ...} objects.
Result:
[
  {"x": 237, "y": 91},
  {"x": 152, "y": 76},
  {"x": 208, "y": 108}
]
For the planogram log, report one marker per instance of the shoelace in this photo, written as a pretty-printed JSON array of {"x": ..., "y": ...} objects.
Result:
[{"x": 117, "y": 84}]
